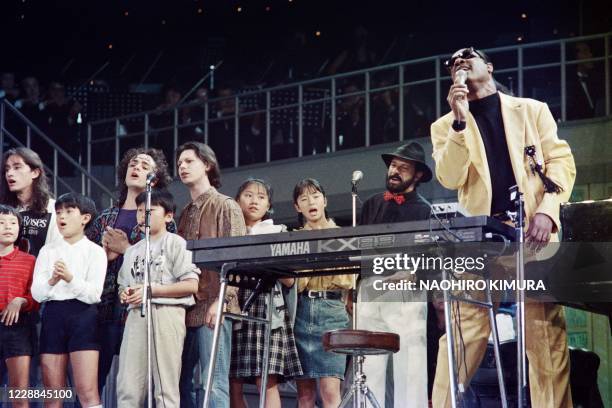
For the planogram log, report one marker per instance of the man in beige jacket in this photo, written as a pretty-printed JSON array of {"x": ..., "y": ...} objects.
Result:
[{"x": 487, "y": 143}]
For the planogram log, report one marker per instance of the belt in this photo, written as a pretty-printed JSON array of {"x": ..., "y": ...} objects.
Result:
[{"x": 323, "y": 294}]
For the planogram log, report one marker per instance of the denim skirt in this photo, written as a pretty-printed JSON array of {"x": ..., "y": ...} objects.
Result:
[{"x": 315, "y": 317}]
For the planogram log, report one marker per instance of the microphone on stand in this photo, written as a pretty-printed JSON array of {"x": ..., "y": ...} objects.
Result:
[
  {"x": 357, "y": 176},
  {"x": 151, "y": 177},
  {"x": 145, "y": 310}
]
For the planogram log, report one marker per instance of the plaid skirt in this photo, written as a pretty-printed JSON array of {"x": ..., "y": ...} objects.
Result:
[{"x": 248, "y": 345}]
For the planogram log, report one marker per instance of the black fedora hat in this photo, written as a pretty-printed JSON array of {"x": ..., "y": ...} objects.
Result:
[{"x": 413, "y": 152}]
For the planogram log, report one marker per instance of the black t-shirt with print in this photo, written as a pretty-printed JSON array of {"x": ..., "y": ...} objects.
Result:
[{"x": 34, "y": 230}]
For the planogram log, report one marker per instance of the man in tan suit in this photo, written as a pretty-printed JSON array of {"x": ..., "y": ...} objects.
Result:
[{"x": 487, "y": 143}]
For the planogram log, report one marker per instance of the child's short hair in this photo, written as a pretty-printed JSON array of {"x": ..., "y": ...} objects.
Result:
[
  {"x": 74, "y": 200},
  {"x": 7, "y": 209},
  {"x": 160, "y": 197}
]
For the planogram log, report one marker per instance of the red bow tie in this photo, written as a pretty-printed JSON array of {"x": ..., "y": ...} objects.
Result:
[{"x": 398, "y": 198}]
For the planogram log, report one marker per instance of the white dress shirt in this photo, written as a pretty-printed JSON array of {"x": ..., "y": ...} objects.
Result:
[{"x": 86, "y": 262}]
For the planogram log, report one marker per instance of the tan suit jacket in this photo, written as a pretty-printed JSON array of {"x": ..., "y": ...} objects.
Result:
[{"x": 462, "y": 164}]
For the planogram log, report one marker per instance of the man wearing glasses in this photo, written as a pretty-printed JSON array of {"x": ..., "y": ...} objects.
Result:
[{"x": 487, "y": 143}]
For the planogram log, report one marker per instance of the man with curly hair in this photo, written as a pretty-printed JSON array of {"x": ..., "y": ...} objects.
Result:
[{"x": 116, "y": 229}]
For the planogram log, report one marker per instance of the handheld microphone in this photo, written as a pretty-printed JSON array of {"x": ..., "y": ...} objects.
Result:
[
  {"x": 151, "y": 177},
  {"x": 460, "y": 78},
  {"x": 357, "y": 176}
]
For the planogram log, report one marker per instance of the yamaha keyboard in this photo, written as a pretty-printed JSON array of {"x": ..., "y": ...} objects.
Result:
[{"x": 290, "y": 253}]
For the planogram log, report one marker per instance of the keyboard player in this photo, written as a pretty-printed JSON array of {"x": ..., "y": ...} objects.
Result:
[{"x": 398, "y": 312}]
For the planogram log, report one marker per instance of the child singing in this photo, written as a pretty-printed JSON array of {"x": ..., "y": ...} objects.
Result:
[
  {"x": 320, "y": 309},
  {"x": 255, "y": 199}
]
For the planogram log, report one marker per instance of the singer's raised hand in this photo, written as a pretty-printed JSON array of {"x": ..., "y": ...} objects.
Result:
[{"x": 457, "y": 100}]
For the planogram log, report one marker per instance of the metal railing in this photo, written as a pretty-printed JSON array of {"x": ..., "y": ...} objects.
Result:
[
  {"x": 376, "y": 105},
  {"x": 16, "y": 130}
]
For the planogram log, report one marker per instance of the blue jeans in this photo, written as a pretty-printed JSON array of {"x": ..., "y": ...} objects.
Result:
[
  {"x": 189, "y": 361},
  {"x": 198, "y": 346}
]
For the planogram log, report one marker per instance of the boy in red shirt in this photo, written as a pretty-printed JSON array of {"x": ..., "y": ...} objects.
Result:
[{"x": 16, "y": 303}]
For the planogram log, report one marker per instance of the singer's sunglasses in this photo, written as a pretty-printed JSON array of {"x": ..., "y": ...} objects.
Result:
[{"x": 464, "y": 53}]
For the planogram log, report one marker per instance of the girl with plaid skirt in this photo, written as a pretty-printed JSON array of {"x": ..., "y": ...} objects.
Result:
[{"x": 255, "y": 198}]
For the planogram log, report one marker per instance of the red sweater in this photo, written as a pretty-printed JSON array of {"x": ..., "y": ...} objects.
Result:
[{"x": 16, "y": 270}]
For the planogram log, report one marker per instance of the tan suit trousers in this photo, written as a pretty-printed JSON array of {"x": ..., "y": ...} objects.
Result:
[{"x": 546, "y": 344}]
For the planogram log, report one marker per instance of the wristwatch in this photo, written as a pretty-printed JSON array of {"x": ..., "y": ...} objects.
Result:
[{"x": 458, "y": 125}]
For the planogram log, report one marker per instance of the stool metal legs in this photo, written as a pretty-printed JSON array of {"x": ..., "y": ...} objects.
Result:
[{"x": 359, "y": 391}]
